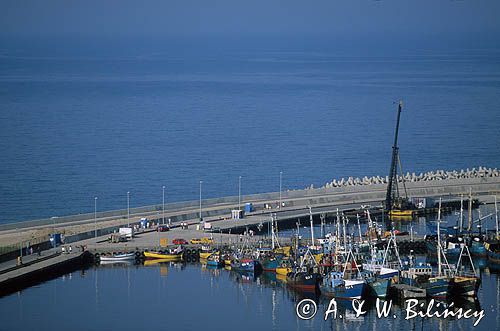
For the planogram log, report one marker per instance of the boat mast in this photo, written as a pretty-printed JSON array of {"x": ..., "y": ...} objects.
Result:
[
  {"x": 272, "y": 231},
  {"x": 312, "y": 229},
  {"x": 337, "y": 237},
  {"x": 469, "y": 226},
  {"x": 344, "y": 232},
  {"x": 439, "y": 238},
  {"x": 392, "y": 184},
  {"x": 496, "y": 216},
  {"x": 461, "y": 213},
  {"x": 359, "y": 229}
]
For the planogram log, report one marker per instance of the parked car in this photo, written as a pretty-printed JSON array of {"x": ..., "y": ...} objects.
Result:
[
  {"x": 204, "y": 241},
  {"x": 179, "y": 241},
  {"x": 163, "y": 228}
]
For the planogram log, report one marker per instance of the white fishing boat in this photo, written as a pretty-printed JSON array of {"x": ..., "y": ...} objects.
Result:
[{"x": 117, "y": 257}]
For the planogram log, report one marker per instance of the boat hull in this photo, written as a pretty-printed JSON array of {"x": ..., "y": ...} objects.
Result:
[
  {"x": 205, "y": 255},
  {"x": 348, "y": 290},
  {"x": 213, "y": 263},
  {"x": 247, "y": 266},
  {"x": 464, "y": 286},
  {"x": 117, "y": 258},
  {"x": 283, "y": 271},
  {"x": 269, "y": 264},
  {"x": 435, "y": 287},
  {"x": 303, "y": 280},
  {"x": 478, "y": 249},
  {"x": 163, "y": 256},
  {"x": 377, "y": 288}
]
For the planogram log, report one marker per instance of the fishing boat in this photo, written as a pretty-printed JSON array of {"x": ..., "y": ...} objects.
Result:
[
  {"x": 206, "y": 251},
  {"x": 404, "y": 214},
  {"x": 335, "y": 285},
  {"x": 376, "y": 286},
  {"x": 172, "y": 255},
  {"x": 270, "y": 263},
  {"x": 422, "y": 276},
  {"x": 465, "y": 286},
  {"x": 245, "y": 265},
  {"x": 304, "y": 280},
  {"x": 283, "y": 250},
  {"x": 493, "y": 252},
  {"x": 120, "y": 257},
  {"x": 215, "y": 260},
  {"x": 377, "y": 269},
  {"x": 284, "y": 268},
  {"x": 477, "y": 247},
  {"x": 268, "y": 259}
]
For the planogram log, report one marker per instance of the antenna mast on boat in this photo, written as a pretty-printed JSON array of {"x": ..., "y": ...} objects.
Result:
[
  {"x": 469, "y": 226},
  {"x": 312, "y": 229},
  {"x": 496, "y": 217},
  {"x": 461, "y": 224},
  {"x": 344, "y": 232},
  {"x": 359, "y": 229},
  {"x": 272, "y": 231},
  {"x": 439, "y": 238}
]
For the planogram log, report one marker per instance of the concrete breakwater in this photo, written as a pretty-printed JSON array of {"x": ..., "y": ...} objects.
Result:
[
  {"x": 13, "y": 236},
  {"x": 438, "y": 175}
]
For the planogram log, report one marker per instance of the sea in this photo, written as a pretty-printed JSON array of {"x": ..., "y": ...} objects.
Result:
[{"x": 80, "y": 120}]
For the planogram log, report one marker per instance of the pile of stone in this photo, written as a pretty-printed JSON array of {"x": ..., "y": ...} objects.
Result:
[{"x": 481, "y": 172}]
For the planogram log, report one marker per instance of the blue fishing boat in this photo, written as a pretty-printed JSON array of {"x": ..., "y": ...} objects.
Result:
[
  {"x": 477, "y": 247},
  {"x": 246, "y": 265},
  {"x": 493, "y": 252},
  {"x": 376, "y": 286},
  {"x": 422, "y": 276},
  {"x": 215, "y": 260},
  {"x": 270, "y": 264},
  {"x": 335, "y": 285}
]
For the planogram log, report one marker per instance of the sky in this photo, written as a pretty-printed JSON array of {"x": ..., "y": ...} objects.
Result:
[{"x": 334, "y": 19}]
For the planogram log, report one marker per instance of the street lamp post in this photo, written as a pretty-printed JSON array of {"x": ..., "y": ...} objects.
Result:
[
  {"x": 201, "y": 218},
  {"x": 239, "y": 193},
  {"x": 128, "y": 209},
  {"x": 281, "y": 175},
  {"x": 95, "y": 218},
  {"x": 163, "y": 203}
]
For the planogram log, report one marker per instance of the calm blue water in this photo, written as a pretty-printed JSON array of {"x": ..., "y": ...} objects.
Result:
[
  {"x": 191, "y": 297},
  {"x": 74, "y": 125}
]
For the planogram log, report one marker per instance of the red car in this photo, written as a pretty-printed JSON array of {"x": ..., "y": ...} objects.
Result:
[
  {"x": 163, "y": 228},
  {"x": 179, "y": 242}
]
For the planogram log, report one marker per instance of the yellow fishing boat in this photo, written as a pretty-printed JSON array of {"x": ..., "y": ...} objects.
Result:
[
  {"x": 281, "y": 278},
  {"x": 164, "y": 256},
  {"x": 318, "y": 257},
  {"x": 283, "y": 250},
  {"x": 205, "y": 255},
  {"x": 401, "y": 213},
  {"x": 227, "y": 262},
  {"x": 283, "y": 270}
]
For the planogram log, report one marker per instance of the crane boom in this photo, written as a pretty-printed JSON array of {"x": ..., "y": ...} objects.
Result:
[{"x": 393, "y": 172}]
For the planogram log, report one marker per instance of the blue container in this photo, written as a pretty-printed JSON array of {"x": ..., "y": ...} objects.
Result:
[
  {"x": 248, "y": 207},
  {"x": 55, "y": 239}
]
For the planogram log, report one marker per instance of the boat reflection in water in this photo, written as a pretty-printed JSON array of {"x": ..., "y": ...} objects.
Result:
[{"x": 266, "y": 297}]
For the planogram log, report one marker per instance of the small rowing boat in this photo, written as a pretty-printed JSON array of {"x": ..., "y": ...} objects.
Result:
[{"x": 117, "y": 257}]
